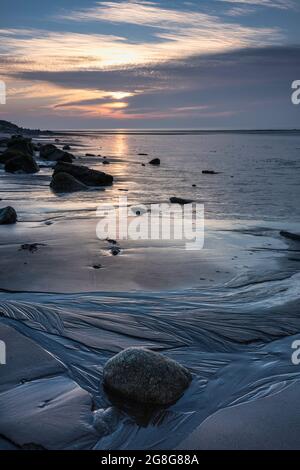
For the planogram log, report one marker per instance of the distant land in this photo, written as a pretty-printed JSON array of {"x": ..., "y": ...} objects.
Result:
[{"x": 8, "y": 127}]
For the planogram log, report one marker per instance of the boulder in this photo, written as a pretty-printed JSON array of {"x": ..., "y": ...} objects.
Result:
[
  {"x": 145, "y": 376},
  {"x": 66, "y": 183},
  {"x": 52, "y": 153},
  {"x": 179, "y": 200},
  {"x": 8, "y": 215},
  {"x": 9, "y": 154},
  {"x": 155, "y": 161},
  {"x": 66, "y": 147},
  {"x": 22, "y": 164},
  {"x": 84, "y": 174},
  {"x": 21, "y": 144}
]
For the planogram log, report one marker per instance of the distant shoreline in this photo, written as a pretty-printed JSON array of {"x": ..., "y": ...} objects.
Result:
[
  {"x": 7, "y": 127},
  {"x": 171, "y": 131}
]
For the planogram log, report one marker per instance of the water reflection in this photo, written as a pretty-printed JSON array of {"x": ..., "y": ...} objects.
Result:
[{"x": 119, "y": 145}]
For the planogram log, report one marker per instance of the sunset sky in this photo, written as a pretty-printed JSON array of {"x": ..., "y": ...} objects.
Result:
[{"x": 74, "y": 64}]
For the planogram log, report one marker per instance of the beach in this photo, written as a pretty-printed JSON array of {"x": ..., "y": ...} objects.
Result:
[{"x": 228, "y": 312}]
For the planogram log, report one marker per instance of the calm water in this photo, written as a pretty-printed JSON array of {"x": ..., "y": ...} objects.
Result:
[{"x": 259, "y": 174}]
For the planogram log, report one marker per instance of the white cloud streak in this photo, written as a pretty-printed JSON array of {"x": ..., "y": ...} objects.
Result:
[{"x": 281, "y": 4}]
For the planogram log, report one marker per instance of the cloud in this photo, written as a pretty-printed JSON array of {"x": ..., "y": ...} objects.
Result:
[
  {"x": 187, "y": 65},
  {"x": 240, "y": 11},
  {"x": 217, "y": 85},
  {"x": 46, "y": 50},
  {"x": 281, "y": 4},
  {"x": 175, "y": 35}
]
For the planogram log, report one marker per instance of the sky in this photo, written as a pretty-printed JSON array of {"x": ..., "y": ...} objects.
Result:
[{"x": 205, "y": 64}]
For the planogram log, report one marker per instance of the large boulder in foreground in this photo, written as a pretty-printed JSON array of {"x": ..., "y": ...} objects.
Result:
[
  {"x": 146, "y": 377},
  {"x": 65, "y": 183},
  {"x": 84, "y": 174},
  {"x": 8, "y": 216},
  {"x": 21, "y": 164},
  {"x": 52, "y": 153}
]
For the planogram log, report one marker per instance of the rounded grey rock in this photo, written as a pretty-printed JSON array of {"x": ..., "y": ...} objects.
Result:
[{"x": 145, "y": 376}]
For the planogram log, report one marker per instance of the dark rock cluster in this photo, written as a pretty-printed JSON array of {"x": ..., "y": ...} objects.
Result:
[{"x": 68, "y": 177}]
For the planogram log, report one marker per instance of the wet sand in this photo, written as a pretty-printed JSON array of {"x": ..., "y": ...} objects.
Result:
[
  {"x": 265, "y": 424},
  {"x": 69, "y": 257}
]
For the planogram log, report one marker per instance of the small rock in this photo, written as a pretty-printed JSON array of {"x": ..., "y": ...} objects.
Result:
[
  {"x": 155, "y": 161},
  {"x": 66, "y": 147},
  {"x": 143, "y": 154},
  {"x": 145, "y": 376},
  {"x": 209, "y": 172},
  {"x": 97, "y": 266},
  {"x": 115, "y": 251},
  {"x": 179, "y": 200},
  {"x": 8, "y": 216},
  {"x": 105, "y": 162}
]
